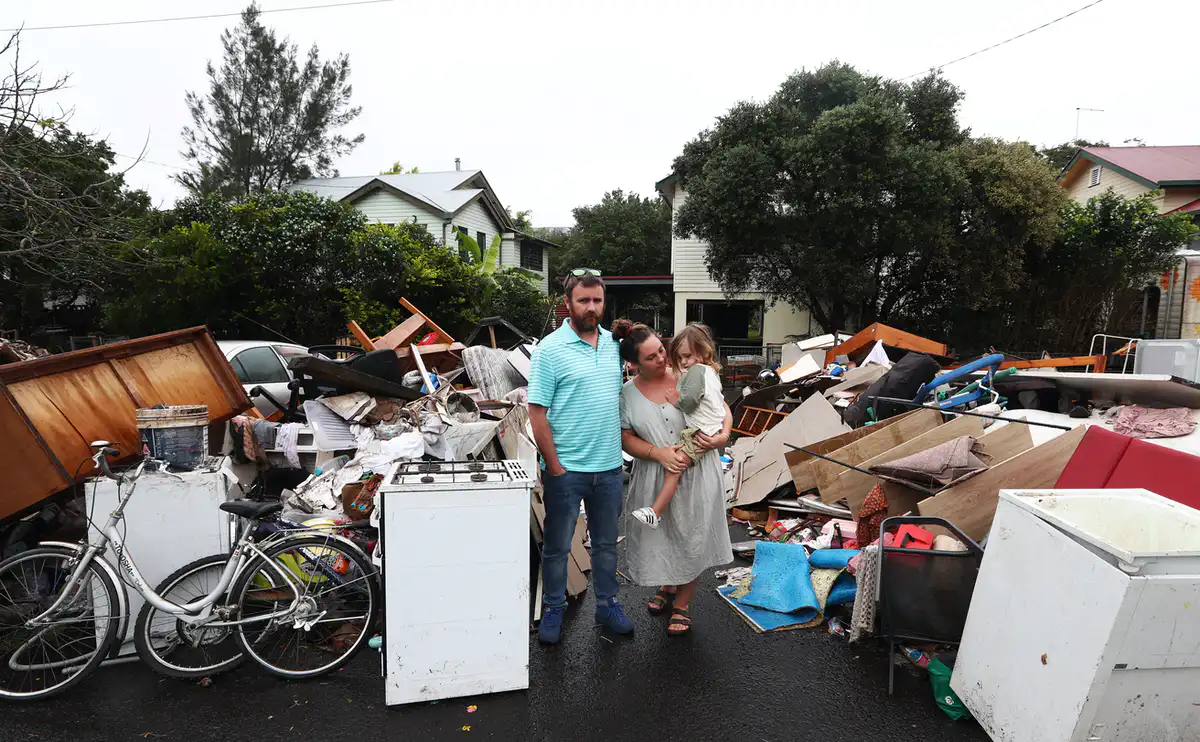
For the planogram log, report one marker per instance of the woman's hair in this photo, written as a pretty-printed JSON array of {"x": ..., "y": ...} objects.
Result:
[
  {"x": 631, "y": 336},
  {"x": 699, "y": 339}
]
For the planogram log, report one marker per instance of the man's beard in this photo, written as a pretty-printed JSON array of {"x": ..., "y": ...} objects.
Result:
[{"x": 585, "y": 322}]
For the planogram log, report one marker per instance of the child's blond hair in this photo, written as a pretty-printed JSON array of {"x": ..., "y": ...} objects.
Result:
[{"x": 699, "y": 339}]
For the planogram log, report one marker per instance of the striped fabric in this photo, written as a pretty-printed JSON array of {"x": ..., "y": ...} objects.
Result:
[{"x": 581, "y": 388}]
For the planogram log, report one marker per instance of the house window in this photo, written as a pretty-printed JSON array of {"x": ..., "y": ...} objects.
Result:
[
  {"x": 531, "y": 256},
  {"x": 481, "y": 240},
  {"x": 1094, "y": 177}
]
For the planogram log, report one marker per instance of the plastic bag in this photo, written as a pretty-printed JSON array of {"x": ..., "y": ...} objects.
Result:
[{"x": 947, "y": 700}]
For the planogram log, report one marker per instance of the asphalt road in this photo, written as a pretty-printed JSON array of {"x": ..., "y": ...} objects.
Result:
[{"x": 724, "y": 682}]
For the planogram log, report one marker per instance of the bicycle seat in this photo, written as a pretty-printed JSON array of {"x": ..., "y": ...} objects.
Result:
[{"x": 251, "y": 509}]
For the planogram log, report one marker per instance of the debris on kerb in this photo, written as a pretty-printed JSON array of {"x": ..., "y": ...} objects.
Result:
[{"x": 867, "y": 471}]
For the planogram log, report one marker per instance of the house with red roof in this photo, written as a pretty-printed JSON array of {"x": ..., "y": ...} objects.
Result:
[
  {"x": 1132, "y": 171},
  {"x": 1173, "y": 172}
]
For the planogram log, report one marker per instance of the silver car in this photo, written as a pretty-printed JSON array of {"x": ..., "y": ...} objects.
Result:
[{"x": 263, "y": 363}]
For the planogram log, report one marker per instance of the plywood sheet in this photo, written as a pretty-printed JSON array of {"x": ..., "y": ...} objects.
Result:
[
  {"x": 765, "y": 469},
  {"x": 971, "y": 506},
  {"x": 34, "y": 475},
  {"x": 169, "y": 376},
  {"x": 1008, "y": 441},
  {"x": 73, "y": 408},
  {"x": 879, "y": 440},
  {"x": 855, "y": 486},
  {"x": 801, "y": 464}
]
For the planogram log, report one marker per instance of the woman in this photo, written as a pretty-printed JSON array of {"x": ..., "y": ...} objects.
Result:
[{"x": 693, "y": 535}]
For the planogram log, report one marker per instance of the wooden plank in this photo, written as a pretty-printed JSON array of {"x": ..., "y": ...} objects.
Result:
[
  {"x": 971, "y": 506},
  {"x": 889, "y": 336},
  {"x": 172, "y": 376},
  {"x": 425, "y": 377},
  {"x": 1099, "y": 361},
  {"x": 855, "y": 486},
  {"x": 401, "y": 334},
  {"x": 801, "y": 464},
  {"x": 876, "y": 442},
  {"x": 445, "y": 336},
  {"x": 1008, "y": 441},
  {"x": 130, "y": 384},
  {"x": 349, "y": 380},
  {"x": 361, "y": 337},
  {"x": 492, "y": 335},
  {"x": 901, "y": 499},
  {"x": 437, "y": 355},
  {"x": 35, "y": 473},
  {"x": 222, "y": 374}
]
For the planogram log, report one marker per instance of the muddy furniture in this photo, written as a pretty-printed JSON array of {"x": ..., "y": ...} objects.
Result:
[{"x": 53, "y": 407}]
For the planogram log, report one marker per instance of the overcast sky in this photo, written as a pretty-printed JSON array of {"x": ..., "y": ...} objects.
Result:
[{"x": 558, "y": 102}]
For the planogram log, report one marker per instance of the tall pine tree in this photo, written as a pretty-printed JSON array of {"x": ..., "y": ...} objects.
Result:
[{"x": 269, "y": 118}]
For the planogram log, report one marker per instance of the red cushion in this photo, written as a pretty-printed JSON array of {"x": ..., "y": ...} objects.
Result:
[
  {"x": 1172, "y": 474},
  {"x": 1094, "y": 460}
]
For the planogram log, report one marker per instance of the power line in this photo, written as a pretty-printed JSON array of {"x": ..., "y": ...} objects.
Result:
[
  {"x": 190, "y": 17},
  {"x": 148, "y": 162},
  {"x": 1002, "y": 43}
]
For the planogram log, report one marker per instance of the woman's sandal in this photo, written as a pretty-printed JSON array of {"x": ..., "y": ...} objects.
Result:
[
  {"x": 658, "y": 604},
  {"x": 679, "y": 617}
]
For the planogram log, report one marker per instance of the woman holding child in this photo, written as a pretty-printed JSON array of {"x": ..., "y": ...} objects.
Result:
[{"x": 677, "y": 526}]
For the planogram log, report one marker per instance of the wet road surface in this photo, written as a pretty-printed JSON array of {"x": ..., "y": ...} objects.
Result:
[{"x": 724, "y": 682}]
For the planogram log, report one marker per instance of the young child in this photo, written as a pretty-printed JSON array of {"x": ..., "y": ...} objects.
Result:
[{"x": 700, "y": 399}]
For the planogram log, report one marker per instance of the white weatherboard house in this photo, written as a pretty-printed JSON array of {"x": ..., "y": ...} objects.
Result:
[
  {"x": 742, "y": 320},
  {"x": 444, "y": 203}
]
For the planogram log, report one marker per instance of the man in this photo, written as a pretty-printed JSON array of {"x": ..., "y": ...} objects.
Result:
[{"x": 574, "y": 406}]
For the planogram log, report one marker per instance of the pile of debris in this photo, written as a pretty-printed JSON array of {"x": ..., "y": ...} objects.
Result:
[
  {"x": 354, "y": 412},
  {"x": 870, "y": 475}
]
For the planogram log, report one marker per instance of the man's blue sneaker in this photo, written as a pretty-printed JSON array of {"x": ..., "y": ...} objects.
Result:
[
  {"x": 610, "y": 616},
  {"x": 550, "y": 629}
]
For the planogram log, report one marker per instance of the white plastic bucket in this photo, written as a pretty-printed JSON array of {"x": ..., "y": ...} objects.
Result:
[{"x": 177, "y": 435}]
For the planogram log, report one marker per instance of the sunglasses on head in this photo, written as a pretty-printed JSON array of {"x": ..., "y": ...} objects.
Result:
[{"x": 581, "y": 272}]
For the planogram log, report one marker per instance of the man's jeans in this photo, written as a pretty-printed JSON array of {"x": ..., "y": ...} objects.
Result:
[{"x": 600, "y": 493}]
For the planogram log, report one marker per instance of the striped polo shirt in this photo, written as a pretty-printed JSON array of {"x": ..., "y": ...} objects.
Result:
[{"x": 581, "y": 388}]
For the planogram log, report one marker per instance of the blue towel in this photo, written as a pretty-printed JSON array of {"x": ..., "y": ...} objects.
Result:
[
  {"x": 781, "y": 582},
  {"x": 832, "y": 558}
]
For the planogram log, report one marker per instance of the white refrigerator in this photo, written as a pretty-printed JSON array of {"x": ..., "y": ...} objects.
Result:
[{"x": 1085, "y": 621}]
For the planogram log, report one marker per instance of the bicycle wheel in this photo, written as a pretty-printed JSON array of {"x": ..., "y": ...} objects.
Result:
[
  {"x": 176, "y": 648},
  {"x": 40, "y": 661},
  {"x": 337, "y": 595}
]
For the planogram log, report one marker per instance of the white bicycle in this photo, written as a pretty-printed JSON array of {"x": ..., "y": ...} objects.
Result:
[{"x": 300, "y": 603}]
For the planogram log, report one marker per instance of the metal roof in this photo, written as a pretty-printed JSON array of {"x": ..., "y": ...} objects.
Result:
[
  {"x": 1159, "y": 165},
  {"x": 439, "y": 190}
]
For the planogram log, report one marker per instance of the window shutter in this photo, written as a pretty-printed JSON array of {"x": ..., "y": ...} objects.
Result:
[{"x": 1094, "y": 179}]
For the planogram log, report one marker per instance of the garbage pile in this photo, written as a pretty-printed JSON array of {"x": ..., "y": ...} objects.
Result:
[{"x": 869, "y": 473}]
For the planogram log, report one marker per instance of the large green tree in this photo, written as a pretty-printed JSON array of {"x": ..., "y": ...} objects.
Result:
[
  {"x": 1059, "y": 156},
  {"x": 1091, "y": 279},
  {"x": 270, "y": 116},
  {"x": 623, "y": 235},
  {"x": 297, "y": 264},
  {"x": 863, "y": 199},
  {"x": 64, "y": 211}
]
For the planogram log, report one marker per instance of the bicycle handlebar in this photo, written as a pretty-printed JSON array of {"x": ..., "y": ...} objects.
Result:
[{"x": 100, "y": 459}]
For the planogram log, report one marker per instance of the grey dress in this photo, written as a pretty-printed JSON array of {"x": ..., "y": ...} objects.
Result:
[{"x": 694, "y": 533}]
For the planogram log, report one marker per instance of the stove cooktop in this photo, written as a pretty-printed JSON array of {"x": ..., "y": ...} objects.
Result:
[{"x": 457, "y": 472}]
